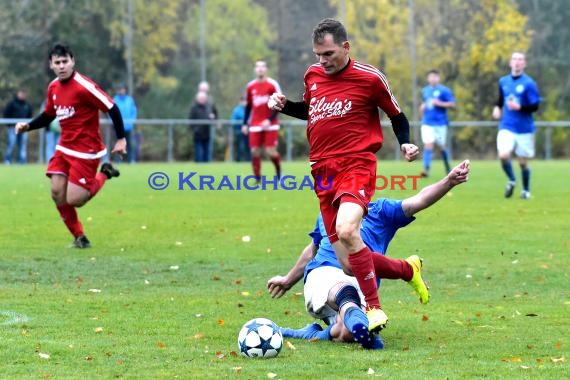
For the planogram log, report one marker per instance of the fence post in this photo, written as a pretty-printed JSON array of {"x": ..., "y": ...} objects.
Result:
[
  {"x": 289, "y": 143},
  {"x": 170, "y": 143},
  {"x": 548, "y": 143}
]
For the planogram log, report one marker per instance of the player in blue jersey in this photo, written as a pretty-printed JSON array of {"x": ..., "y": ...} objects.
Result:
[
  {"x": 333, "y": 296},
  {"x": 518, "y": 100},
  {"x": 436, "y": 100}
]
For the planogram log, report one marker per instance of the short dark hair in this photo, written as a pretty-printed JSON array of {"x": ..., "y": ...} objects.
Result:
[
  {"x": 60, "y": 49},
  {"x": 332, "y": 27},
  {"x": 433, "y": 71}
]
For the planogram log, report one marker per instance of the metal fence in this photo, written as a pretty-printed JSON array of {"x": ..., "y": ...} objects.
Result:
[{"x": 171, "y": 139}]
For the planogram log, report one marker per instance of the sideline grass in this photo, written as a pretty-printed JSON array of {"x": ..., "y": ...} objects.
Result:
[{"x": 498, "y": 271}]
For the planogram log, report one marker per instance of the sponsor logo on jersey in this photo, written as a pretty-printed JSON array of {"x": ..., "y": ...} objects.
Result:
[
  {"x": 321, "y": 108},
  {"x": 63, "y": 113},
  {"x": 260, "y": 100},
  {"x": 519, "y": 88}
]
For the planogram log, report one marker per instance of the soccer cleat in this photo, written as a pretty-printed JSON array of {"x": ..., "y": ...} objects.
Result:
[
  {"x": 525, "y": 194},
  {"x": 424, "y": 174},
  {"x": 509, "y": 189},
  {"x": 377, "y": 320},
  {"x": 417, "y": 282},
  {"x": 81, "y": 242},
  {"x": 366, "y": 338},
  {"x": 109, "y": 170}
]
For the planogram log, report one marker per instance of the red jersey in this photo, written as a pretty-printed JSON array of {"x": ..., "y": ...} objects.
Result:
[
  {"x": 257, "y": 94},
  {"x": 76, "y": 103},
  {"x": 343, "y": 110}
]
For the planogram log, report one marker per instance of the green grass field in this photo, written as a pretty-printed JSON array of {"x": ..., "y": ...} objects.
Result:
[{"x": 498, "y": 271}]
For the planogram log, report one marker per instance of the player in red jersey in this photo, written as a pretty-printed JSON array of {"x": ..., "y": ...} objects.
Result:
[
  {"x": 76, "y": 101},
  {"x": 341, "y": 102},
  {"x": 263, "y": 127}
]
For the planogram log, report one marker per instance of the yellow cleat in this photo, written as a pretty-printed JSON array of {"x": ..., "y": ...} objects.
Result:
[
  {"x": 417, "y": 282},
  {"x": 377, "y": 319}
]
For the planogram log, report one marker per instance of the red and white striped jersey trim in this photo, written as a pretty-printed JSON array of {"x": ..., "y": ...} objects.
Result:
[
  {"x": 257, "y": 128},
  {"x": 93, "y": 90},
  {"x": 381, "y": 76},
  {"x": 85, "y": 156}
]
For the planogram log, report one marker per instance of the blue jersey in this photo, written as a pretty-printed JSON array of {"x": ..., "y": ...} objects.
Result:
[
  {"x": 523, "y": 90},
  {"x": 436, "y": 116},
  {"x": 384, "y": 218}
]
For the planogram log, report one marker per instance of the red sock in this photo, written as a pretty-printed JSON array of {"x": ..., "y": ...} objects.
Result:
[
  {"x": 277, "y": 162},
  {"x": 363, "y": 269},
  {"x": 70, "y": 218},
  {"x": 393, "y": 269},
  {"x": 256, "y": 163},
  {"x": 100, "y": 179}
]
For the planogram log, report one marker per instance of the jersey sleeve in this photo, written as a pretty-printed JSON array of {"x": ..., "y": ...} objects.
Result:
[
  {"x": 49, "y": 108},
  {"x": 391, "y": 213},
  {"x": 93, "y": 95},
  {"x": 384, "y": 97},
  {"x": 316, "y": 234},
  {"x": 448, "y": 95}
]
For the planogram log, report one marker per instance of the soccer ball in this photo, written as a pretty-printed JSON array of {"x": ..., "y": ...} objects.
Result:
[{"x": 260, "y": 337}]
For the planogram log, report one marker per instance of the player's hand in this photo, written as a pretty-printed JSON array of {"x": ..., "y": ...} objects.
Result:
[
  {"x": 265, "y": 123},
  {"x": 513, "y": 106},
  {"x": 244, "y": 129},
  {"x": 459, "y": 174},
  {"x": 410, "y": 151},
  {"x": 496, "y": 113},
  {"x": 436, "y": 102},
  {"x": 21, "y": 127},
  {"x": 277, "y": 101},
  {"x": 278, "y": 286},
  {"x": 120, "y": 147}
]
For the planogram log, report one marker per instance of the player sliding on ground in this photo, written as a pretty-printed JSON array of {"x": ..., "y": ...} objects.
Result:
[
  {"x": 341, "y": 102},
  {"x": 76, "y": 101},
  {"x": 335, "y": 297}
]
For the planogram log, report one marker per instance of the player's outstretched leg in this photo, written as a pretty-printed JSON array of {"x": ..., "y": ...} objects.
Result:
[
  {"x": 107, "y": 172},
  {"x": 417, "y": 282},
  {"x": 311, "y": 331}
]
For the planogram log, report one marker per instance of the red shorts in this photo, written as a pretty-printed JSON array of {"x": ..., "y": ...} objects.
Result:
[
  {"x": 342, "y": 179},
  {"x": 266, "y": 139},
  {"x": 79, "y": 171}
]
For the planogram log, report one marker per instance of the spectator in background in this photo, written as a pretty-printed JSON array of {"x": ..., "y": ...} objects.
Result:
[
  {"x": 204, "y": 86},
  {"x": 202, "y": 110},
  {"x": 52, "y": 134},
  {"x": 241, "y": 140},
  {"x": 17, "y": 108},
  {"x": 128, "y": 109}
]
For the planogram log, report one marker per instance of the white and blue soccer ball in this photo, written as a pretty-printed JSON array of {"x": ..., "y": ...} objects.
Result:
[{"x": 260, "y": 338}]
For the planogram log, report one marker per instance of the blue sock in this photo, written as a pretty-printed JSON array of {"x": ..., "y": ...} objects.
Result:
[
  {"x": 313, "y": 330},
  {"x": 526, "y": 178},
  {"x": 445, "y": 158},
  {"x": 427, "y": 159},
  {"x": 508, "y": 169},
  {"x": 353, "y": 317}
]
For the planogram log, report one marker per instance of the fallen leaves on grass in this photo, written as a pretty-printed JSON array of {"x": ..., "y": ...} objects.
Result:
[
  {"x": 94, "y": 290},
  {"x": 245, "y": 294},
  {"x": 198, "y": 336},
  {"x": 290, "y": 345},
  {"x": 174, "y": 267},
  {"x": 43, "y": 355},
  {"x": 370, "y": 371},
  {"x": 237, "y": 370},
  {"x": 89, "y": 358},
  {"x": 514, "y": 359},
  {"x": 98, "y": 330},
  {"x": 220, "y": 322},
  {"x": 561, "y": 359},
  {"x": 78, "y": 281},
  {"x": 271, "y": 375},
  {"x": 234, "y": 354},
  {"x": 220, "y": 355},
  {"x": 161, "y": 345},
  {"x": 425, "y": 318}
]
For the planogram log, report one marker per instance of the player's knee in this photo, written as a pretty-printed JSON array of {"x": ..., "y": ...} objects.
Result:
[
  {"x": 256, "y": 152},
  {"x": 58, "y": 195},
  {"x": 346, "y": 232},
  {"x": 504, "y": 156}
]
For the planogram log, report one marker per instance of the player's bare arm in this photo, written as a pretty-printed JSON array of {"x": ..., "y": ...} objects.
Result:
[
  {"x": 279, "y": 285},
  {"x": 433, "y": 193}
]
